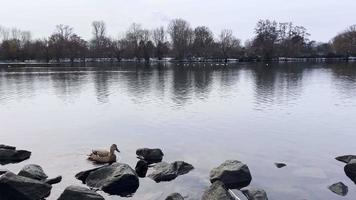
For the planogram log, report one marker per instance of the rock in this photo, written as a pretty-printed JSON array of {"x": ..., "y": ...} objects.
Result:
[
  {"x": 217, "y": 191},
  {"x": 3, "y": 146},
  {"x": 53, "y": 181},
  {"x": 14, "y": 187},
  {"x": 150, "y": 155},
  {"x": 84, "y": 174},
  {"x": 233, "y": 173},
  {"x": 79, "y": 193},
  {"x": 345, "y": 159},
  {"x": 34, "y": 172},
  {"x": 141, "y": 168},
  {"x": 255, "y": 194},
  {"x": 116, "y": 179},
  {"x": 280, "y": 165},
  {"x": 350, "y": 170},
  {"x": 9, "y": 155},
  {"x": 339, "y": 188},
  {"x": 175, "y": 196},
  {"x": 168, "y": 171}
]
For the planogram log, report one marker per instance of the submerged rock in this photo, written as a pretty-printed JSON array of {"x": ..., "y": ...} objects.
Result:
[
  {"x": 116, "y": 179},
  {"x": 339, "y": 188},
  {"x": 175, "y": 196},
  {"x": 232, "y": 173},
  {"x": 141, "y": 168},
  {"x": 168, "y": 171},
  {"x": 9, "y": 154},
  {"x": 217, "y": 191},
  {"x": 3, "y": 146},
  {"x": 255, "y": 194},
  {"x": 79, "y": 193},
  {"x": 14, "y": 187},
  {"x": 345, "y": 159},
  {"x": 53, "y": 181},
  {"x": 150, "y": 155},
  {"x": 34, "y": 172},
  {"x": 280, "y": 165},
  {"x": 350, "y": 170}
]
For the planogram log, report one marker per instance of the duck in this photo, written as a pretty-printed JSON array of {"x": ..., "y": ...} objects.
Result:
[{"x": 103, "y": 156}]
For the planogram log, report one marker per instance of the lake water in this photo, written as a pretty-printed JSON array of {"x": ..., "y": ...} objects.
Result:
[{"x": 300, "y": 114}]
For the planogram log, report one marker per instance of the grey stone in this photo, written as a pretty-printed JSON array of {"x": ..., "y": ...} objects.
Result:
[
  {"x": 339, "y": 188},
  {"x": 116, "y": 179},
  {"x": 350, "y": 170},
  {"x": 345, "y": 159},
  {"x": 168, "y": 171},
  {"x": 79, "y": 193},
  {"x": 217, "y": 191},
  {"x": 33, "y": 171},
  {"x": 232, "y": 173},
  {"x": 175, "y": 196},
  {"x": 14, "y": 187},
  {"x": 150, "y": 155},
  {"x": 255, "y": 194}
]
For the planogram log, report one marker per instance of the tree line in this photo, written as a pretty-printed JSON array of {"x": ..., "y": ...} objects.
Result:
[{"x": 179, "y": 40}]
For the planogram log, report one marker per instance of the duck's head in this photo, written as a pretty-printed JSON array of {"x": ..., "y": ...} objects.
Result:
[{"x": 114, "y": 148}]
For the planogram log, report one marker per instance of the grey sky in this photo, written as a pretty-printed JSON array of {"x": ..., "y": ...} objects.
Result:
[{"x": 322, "y": 18}]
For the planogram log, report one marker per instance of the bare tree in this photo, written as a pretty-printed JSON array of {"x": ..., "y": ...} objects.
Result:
[
  {"x": 203, "y": 42},
  {"x": 161, "y": 43},
  {"x": 182, "y": 37},
  {"x": 345, "y": 42},
  {"x": 228, "y": 43}
]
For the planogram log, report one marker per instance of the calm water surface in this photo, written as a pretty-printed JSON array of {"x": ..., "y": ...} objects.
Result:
[{"x": 300, "y": 114}]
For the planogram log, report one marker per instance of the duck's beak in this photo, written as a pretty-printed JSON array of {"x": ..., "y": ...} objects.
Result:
[{"x": 117, "y": 150}]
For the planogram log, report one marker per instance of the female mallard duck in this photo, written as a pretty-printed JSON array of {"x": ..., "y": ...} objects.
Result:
[{"x": 102, "y": 156}]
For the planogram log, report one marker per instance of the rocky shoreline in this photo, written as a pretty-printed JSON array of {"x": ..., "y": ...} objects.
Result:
[{"x": 229, "y": 181}]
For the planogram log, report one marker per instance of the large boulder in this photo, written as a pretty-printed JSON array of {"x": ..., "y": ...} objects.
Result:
[
  {"x": 339, "y": 188},
  {"x": 217, "y": 191},
  {"x": 79, "y": 193},
  {"x": 345, "y": 159},
  {"x": 9, "y": 154},
  {"x": 116, "y": 179},
  {"x": 255, "y": 194},
  {"x": 174, "y": 196},
  {"x": 34, "y": 172},
  {"x": 350, "y": 170},
  {"x": 168, "y": 171},
  {"x": 150, "y": 155},
  {"x": 234, "y": 174},
  {"x": 14, "y": 187}
]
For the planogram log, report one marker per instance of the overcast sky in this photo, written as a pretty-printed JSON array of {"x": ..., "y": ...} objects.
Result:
[{"x": 322, "y": 18}]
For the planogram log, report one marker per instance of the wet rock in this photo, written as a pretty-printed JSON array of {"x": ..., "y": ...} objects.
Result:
[
  {"x": 116, "y": 179},
  {"x": 168, "y": 171},
  {"x": 280, "y": 165},
  {"x": 350, "y": 170},
  {"x": 53, "y": 181},
  {"x": 79, "y": 193},
  {"x": 175, "y": 196},
  {"x": 9, "y": 155},
  {"x": 34, "y": 172},
  {"x": 345, "y": 159},
  {"x": 84, "y": 174},
  {"x": 150, "y": 155},
  {"x": 255, "y": 194},
  {"x": 3, "y": 171},
  {"x": 141, "y": 168},
  {"x": 217, "y": 191},
  {"x": 339, "y": 188},
  {"x": 3, "y": 146},
  {"x": 232, "y": 173},
  {"x": 14, "y": 187}
]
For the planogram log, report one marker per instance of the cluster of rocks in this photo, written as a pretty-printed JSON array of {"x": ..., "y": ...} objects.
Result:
[
  {"x": 31, "y": 183},
  {"x": 228, "y": 179}
]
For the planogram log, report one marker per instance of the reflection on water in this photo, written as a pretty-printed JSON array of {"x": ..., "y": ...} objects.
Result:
[{"x": 300, "y": 114}]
